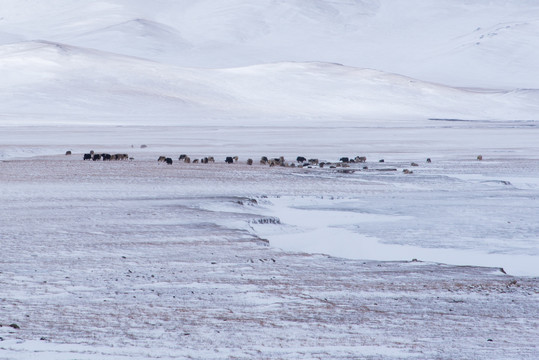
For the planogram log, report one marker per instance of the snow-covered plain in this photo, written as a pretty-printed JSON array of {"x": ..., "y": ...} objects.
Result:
[{"x": 136, "y": 260}]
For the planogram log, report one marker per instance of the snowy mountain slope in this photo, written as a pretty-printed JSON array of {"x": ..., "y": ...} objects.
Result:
[
  {"x": 140, "y": 37},
  {"x": 455, "y": 42},
  {"x": 51, "y": 78}
]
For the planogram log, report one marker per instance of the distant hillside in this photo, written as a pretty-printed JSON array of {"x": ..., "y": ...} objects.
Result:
[
  {"x": 76, "y": 84},
  {"x": 492, "y": 44}
]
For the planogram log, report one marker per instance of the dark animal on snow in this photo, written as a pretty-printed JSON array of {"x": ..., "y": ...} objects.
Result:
[
  {"x": 414, "y": 164},
  {"x": 96, "y": 157},
  {"x": 87, "y": 157},
  {"x": 187, "y": 160},
  {"x": 68, "y": 152},
  {"x": 313, "y": 161},
  {"x": 249, "y": 161},
  {"x": 263, "y": 160},
  {"x": 229, "y": 160},
  {"x": 381, "y": 160},
  {"x": 182, "y": 157},
  {"x": 479, "y": 157},
  {"x": 273, "y": 162},
  {"x": 211, "y": 159},
  {"x": 344, "y": 159},
  {"x": 195, "y": 161},
  {"x": 429, "y": 160},
  {"x": 169, "y": 161},
  {"x": 121, "y": 156},
  {"x": 107, "y": 157},
  {"x": 301, "y": 159},
  {"x": 162, "y": 159}
]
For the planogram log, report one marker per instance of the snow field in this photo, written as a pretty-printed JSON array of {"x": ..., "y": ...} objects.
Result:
[
  {"x": 138, "y": 260},
  {"x": 186, "y": 277},
  {"x": 79, "y": 86},
  {"x": 458, "y": 43}
]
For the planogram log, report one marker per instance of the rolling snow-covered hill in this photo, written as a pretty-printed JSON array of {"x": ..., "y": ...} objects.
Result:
[
  {"x": 278, "y": 59},
  {"x": 56, "y": 80},
  {"x": 455, "y": 42}
]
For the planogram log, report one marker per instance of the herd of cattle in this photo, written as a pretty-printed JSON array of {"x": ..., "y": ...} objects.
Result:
[
  {"x": 264, "y": 160},
  {"x": 105, "y": 157},
  {"x": 280, "y": 161}
]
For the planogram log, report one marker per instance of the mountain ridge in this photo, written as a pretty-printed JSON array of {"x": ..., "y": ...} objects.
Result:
[
  {"x": 457, "y": 43},
  {"x": 77, "y": 80}
]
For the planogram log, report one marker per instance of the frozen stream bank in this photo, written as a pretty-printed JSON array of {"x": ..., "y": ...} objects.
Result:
[{"x": 358, "y": 229}]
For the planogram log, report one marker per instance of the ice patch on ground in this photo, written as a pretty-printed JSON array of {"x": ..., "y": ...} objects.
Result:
[{"x": 318, "y": 225}]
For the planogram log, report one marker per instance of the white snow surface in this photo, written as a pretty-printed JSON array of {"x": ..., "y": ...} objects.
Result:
[
  {"x": 456, "y": 42},
  {"x": 138, "y": 259},
  {"x": 85, "y": 85},
  {"x": 358, "y": 60}
]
